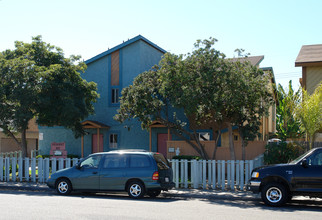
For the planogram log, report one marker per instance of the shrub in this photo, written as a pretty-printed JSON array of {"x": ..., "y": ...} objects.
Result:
[
  {"x": 73, "y": 156},
  {"x": 43, "y": 156},
  {"x": 282, "y": 152},
  {"x": 186, "y": 157}
]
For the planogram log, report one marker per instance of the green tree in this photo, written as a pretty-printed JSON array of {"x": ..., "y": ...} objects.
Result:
[
  {"x": 287, "y": 125},
  {"x": 250, "y": 101},
  {"x": 199, "y": 86},
  {"x": 309, "y": 113},
  {"x": 38, "y": 81}
]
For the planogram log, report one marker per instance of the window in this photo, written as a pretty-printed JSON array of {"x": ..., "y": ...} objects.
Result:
[
  {"x": 204, "y": 136},
  {"x": 235, "y": 137},
  {"x": 115, "y": 161},
  {"x": 315, "y": 159},
  {"x": 139, "y": 161},
  {"x": 113, "y": 140},
  {"x": 162, "y": 163},
  {"x": 115, "y": 96},
  {"x": 91, "y": 162}
]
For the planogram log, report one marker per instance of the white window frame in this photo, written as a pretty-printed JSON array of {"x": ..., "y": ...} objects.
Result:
[{"x": 114, "y": 138}]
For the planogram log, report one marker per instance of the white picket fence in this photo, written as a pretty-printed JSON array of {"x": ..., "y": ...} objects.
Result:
[
  {"x": 211, "y": 174},
  {"x": 34, "y": 169}
]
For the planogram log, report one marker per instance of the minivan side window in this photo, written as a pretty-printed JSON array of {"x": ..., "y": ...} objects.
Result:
[
  {"x": 115, "y": 161},
  {"x": 139, "y": 161}
]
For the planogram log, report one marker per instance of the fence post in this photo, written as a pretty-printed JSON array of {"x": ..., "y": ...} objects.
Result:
[
  {"x": 242, "y": 173},
  {"x": 194, "y": 174},
  {"x": 33, "y": 169},
  {"x": 60, "y": 163},
  {"x": 27, "y": 169},
  {"x": 40, "y": 170},
  {"x": 177, "y": 173},
  {"x": 204, "y": 174},
  {"x": 219, "y": 173},
  {"x": 1, "y": 167},
  {"x": 7, "y": 169},
  {"x": 213, "y": 174},
  {"x": 46, "y": 169},
  {"x": 251, "y": 166},
  {"x": 186, "y": 174},
  {"x": 228, "y": 173},
  {"x": 20, "y": 170},
  {"x": 232, "y": 175},
  {"x": 14, "y": 169},
  {"x": 246, "y": 171},
  {"x": 223, "y": 174},
  {"x": 209, "y": 173},
  {"x": 74, "y": 161},
  {"x": 68, "y": 162},
  {"x": 237, "y": 174},
  {"x": 53, "y": 165},
  {"x": 181, "y": 172}
]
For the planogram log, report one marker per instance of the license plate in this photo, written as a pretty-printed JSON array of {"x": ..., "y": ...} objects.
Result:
[{"x": 166, "y": 179}]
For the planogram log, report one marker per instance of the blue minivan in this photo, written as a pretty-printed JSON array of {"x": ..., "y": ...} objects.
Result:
[{"x": 136, "y": 172}]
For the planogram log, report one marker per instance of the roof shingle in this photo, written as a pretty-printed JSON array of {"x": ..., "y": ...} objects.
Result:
[{"x": 309, "y": 54}]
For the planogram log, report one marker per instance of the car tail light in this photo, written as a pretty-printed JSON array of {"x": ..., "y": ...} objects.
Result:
[{"x": 155, "y": 175}]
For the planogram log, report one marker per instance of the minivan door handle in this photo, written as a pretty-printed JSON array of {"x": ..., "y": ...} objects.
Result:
[{"x": 95, "y": 172}]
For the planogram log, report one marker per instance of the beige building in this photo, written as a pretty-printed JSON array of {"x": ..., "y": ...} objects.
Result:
[
  {"x": 7, "y": 144},
  {"x": 310, "y": 59}
]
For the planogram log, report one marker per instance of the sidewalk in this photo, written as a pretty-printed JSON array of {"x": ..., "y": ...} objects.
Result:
[{"x": 174, "y": 193}]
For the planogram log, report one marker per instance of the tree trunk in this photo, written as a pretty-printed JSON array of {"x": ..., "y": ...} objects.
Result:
[
  {"x": 194, "y": 146},
  {"x": 231, "y": 142},
  {"x": 24, "y": 143},
  {"x": 243, "y": 146},
  {"x": 202, "y": 148},
  {"x": 216, "y": 145},
  {"x": 243, "y": 150}
]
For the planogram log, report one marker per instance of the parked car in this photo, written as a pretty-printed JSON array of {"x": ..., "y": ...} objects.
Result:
[
  {"x": 137, "y": 172},
  {"x": 278, "y": 183}
]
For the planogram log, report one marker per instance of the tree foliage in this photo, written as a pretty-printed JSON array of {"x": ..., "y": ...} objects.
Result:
[
  {"x": 38, "y": 81},
  {"x": 287, "y": 124},
  {"x": 309, "y": 112},
  {"x": 201, "y": 88}
]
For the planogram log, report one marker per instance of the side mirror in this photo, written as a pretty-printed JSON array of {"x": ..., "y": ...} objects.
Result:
[
  {"x": 304, "y": 163},
  {"x": 77, "y": 166}
]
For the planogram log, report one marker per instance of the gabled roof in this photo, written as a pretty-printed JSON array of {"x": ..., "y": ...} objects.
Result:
[
  {"x": 309, "y": 54},
  {"x": 254, "y": 60},
  {"x": 124, "y": 44},
  {"x": 94, "y": 124}
]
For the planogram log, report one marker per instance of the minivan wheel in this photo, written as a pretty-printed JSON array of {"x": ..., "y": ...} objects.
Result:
[
  {"x": 274, "y": 194},
  {"x": 63, "y": 187},
  {"x": 154, "y": 193},
  {"x": 136, "y": 190}
]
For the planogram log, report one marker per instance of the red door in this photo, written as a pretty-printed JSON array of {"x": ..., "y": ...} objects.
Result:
[
  {"x": 94, "y": 143},
  {"x": 162, "y": 143}
]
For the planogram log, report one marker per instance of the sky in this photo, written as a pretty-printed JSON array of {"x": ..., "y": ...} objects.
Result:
[{"x": 276, "y": 29}]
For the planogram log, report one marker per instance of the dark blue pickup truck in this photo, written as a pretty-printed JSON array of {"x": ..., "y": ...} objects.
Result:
[{"x": 278, "y": 183}]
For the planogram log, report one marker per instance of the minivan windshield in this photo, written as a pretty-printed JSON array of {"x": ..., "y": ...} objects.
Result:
[{"x": 162, "y": 163}]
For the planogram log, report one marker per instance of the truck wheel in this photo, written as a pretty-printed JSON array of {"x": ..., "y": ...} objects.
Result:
[{"x": 274, "y": 194}]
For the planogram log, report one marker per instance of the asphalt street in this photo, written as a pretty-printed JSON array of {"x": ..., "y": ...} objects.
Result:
[{"x": 37, "y": 201}]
